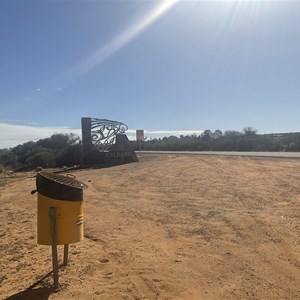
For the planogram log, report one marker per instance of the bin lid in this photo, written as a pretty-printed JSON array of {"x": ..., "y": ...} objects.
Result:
[
  {"x": 65, "y": 180},
  {"x": 59, "y": 186}
]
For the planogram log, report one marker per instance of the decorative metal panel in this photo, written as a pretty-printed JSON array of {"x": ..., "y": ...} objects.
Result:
[{"x": 104, "y": 132}]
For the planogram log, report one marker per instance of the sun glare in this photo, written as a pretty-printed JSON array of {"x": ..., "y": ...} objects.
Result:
[{"x": 104, "y": 52}]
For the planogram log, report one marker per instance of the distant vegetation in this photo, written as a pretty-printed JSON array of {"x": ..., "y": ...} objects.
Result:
[
  {"x": 66, "y": 149},
  {"x": 56, "y": 151},
  {"x": 230, "y": 140}
]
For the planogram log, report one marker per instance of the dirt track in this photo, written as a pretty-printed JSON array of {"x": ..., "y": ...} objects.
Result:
[{"x": 168, "y": 227}]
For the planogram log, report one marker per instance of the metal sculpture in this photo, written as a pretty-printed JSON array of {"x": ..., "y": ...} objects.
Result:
[
  {"x": 105, "y": 143},
  {"x": 104, "y": 132}
]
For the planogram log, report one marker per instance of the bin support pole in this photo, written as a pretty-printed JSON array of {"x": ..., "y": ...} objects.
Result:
[
  {"x": 66, "y": 253},
  {"x": 54, "y": 247}
]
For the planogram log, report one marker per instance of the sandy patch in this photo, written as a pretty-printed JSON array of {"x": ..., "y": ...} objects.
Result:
[{"x": 168, "y": 227}]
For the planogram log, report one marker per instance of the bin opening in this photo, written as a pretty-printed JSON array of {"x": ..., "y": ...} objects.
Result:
[{"x": 65, "y": 180}]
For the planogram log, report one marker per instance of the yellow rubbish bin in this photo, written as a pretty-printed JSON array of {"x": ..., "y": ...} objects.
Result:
[{"x": 65, "y": 194}]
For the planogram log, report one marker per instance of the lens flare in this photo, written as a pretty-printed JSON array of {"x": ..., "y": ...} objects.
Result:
[{"x": 125, "y": 37}]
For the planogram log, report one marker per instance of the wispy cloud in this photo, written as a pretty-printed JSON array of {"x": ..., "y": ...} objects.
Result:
[
  {"x": 174, "y": 132},
  {"x": 11, "y": 121},
  {"x": 12, "y": 135},
  {"x": 162, "y": 133}
]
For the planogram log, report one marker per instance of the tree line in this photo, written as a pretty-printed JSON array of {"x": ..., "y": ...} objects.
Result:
[
  {"x": 57, "y": 151},
  {"x": 66, "y": 149},
  {"x": 230, "y": 140}
]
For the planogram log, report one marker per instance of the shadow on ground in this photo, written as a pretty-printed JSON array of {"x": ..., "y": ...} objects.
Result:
[
  {"x": 34, "y": 292},
  {"x": 41, "y": 293}
]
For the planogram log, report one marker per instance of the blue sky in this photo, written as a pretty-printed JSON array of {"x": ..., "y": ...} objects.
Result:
[{"x": 162, "y": 66}]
